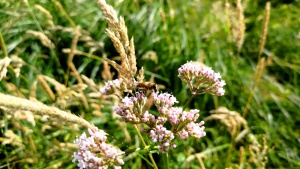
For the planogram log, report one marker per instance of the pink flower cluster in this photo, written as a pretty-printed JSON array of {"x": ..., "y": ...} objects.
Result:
[
  {"x": 163, "y": 136},
  {"x": 93, "y": 152},
  {"x": 183, "y": 123},
  {"x": 132, "y": 109},
  {"x": 163, "y": 101},
  {"x": 110, "y": 86},
  {"x": 201, "y": 77}
]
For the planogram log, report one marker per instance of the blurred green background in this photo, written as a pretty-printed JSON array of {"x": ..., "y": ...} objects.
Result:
[{"x": 166, "y": 35}]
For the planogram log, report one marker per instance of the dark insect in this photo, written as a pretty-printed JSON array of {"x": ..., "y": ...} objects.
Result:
[{"x": 145, "y": 86}]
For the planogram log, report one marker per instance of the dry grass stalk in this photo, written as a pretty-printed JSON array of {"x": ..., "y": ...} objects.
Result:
[
  {"x": 72, "y": 53},
  {"x": 232, "y": 119},
  {"x": 11, "y": 138},
  {"x": 242, "y": 157},
  {"x": 91, "y": 84},
  {"x": 117, "y": 32},
  {"x": 16, "y": 63},
  {"x": 64, "y": 13},
  {"x": 15, "y": 103},
  {"x": 260, "y": 68},
  {"x": 258, "y": 152},
  {"x": 46, "y": 87},
  {"x": 151, "y": 55},
  {"x": 257, "y": 75},
  {"x": 14, "y": 90},
  {"x": 65, "y": 96},
  {"x": 59, "y": 88},
  {"x": 141, "y": 76},
  {"x": 236, "y": 21},
  {"x": 47, "y": 13},
  {"x": 3, "y": 46},
  {"x": 199, "y": 158},
  {"x": 42, "y": 37},
  {"x": 72, "y": 66},
  {"x": 19, "y": 115},
  {"x": 242, "y": 27},
  {"x": 78, "y": 52},
  {"x": 32, "y": 93},
  {"x": 265, "y": 29},
  {"x": 4, "y": 63},
  {"x": 106, "y": 73}
]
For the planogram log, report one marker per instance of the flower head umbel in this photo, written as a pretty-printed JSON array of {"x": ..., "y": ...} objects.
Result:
[
  {"x": 163, "y": 101},
  {"x": 183, "y": 123},
  {"x": 93, "y": 152},
  {"x": 163, "y": 136},
  {"x": 201, "y": 77},
  {"x": 132, "y": 109}
]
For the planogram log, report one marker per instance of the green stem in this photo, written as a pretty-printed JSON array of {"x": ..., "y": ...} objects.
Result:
[
  {"x": 166, "y": 160},
  {"x": 229, "y": 152},
  {"x": 143, "y": 141},
  {"x": 187, "y": 103},
  {"x": 3, "y": 47}
]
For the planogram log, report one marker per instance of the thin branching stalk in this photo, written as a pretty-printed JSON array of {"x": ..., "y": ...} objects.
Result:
[
  {"x": 144, "y": 144},
  {"x": 15, "y": 103}
]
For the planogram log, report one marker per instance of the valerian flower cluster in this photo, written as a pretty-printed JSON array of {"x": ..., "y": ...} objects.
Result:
[
  {"x": 183, "y": 123},
  {"x": 94, "y": 152},
  {"x": 170, "y": 122},
  {"x": 201, "y": 77}
]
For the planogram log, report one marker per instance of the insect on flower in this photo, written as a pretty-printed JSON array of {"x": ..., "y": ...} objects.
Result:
[{"x": 145, "y": 86}]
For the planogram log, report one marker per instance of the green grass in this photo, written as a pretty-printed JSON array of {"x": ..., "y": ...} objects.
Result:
[{"x": 188, "y": 30}]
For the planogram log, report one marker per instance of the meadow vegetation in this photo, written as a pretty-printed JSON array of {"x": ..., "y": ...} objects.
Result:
[{"x": 56, "y": 55}]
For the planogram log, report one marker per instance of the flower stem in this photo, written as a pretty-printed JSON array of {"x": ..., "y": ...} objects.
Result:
[
  {"x": 190, "y": 99},
  {"x": 142, "y": 139}
]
